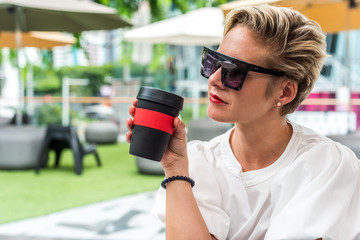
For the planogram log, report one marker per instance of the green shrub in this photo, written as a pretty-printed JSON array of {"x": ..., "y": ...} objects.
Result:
[
  {"x": 46, "y": 82},
  {"x": 95, "y": 75},
  {"x": 51, "y": 114},
  {"x": 48, "y": 114}
]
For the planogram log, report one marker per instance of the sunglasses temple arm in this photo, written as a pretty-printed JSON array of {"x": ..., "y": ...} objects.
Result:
[{"x": 259, "y": 69}]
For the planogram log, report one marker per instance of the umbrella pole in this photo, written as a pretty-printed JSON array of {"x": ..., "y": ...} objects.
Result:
[
  {"x": 65, "y": 103},
  {"x": 18, "y": 47},
  {"x": 30, "y": 90}
]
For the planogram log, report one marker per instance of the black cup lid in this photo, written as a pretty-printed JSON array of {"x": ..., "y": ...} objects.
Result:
[{"x": 160, "y": 96}]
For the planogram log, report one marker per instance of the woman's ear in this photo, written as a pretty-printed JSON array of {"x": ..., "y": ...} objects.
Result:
[{"x": 288, "y": 91}]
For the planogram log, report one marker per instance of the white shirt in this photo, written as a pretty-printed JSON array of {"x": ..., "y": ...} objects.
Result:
[{"x": 311, "y": 191}]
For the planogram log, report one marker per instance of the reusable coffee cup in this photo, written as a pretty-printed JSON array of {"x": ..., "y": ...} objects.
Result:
[{"x": 153, "y": 122}]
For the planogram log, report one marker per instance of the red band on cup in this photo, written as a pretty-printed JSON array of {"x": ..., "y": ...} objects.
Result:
[{"x": 152, "y": 119}]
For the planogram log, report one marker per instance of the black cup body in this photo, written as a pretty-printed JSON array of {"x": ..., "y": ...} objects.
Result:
[{"x": 147, "y": 142}]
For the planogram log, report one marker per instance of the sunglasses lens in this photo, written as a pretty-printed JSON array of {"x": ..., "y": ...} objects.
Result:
[
  {"x": 233, "y": 78},
  {"x": 209, "y": 64}
]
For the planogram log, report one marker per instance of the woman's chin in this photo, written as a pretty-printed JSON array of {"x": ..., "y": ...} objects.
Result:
[{"x": 217, "y": 116}]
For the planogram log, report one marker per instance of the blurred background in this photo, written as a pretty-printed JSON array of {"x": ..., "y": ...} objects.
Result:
[{"x": 82, "y": 72}]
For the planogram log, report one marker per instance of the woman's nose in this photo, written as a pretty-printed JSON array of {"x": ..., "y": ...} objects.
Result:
[{"x": 215, "y": 79}]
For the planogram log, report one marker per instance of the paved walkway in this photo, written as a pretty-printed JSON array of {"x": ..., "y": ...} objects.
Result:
[{"x": 124, "y": 218}]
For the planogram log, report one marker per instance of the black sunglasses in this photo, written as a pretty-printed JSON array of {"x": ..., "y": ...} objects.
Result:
[{"x": 233, "y": 71}]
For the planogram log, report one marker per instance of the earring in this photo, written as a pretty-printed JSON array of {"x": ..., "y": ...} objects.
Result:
[{"x": 278, "y": 104}]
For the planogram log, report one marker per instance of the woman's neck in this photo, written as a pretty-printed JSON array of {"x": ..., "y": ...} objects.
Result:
[{"x": 257, "y": 146}]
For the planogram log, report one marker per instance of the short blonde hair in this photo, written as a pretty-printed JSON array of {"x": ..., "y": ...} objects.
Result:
[{"x": 297, "y": 45}]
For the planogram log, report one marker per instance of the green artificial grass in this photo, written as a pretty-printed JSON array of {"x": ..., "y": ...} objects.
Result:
[{"x": 23, "y": 194}]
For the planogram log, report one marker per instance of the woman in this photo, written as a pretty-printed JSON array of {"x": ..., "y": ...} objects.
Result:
[{"x": 267, "y": 178}]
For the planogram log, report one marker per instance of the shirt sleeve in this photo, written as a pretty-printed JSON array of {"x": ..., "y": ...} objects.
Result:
[
  {"x": 318, "y": 196},
  {"x": 206, "y": 192}
]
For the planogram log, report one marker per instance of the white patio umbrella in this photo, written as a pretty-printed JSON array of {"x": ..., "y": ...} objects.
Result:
[
  {"x": 202, "y": 26},
  {"x": 54, "y": 15}
]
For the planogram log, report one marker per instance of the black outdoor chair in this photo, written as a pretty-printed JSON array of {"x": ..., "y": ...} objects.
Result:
[{"x": 59, "y": 138}]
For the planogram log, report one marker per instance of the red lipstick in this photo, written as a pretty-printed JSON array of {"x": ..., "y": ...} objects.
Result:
[{"x": 216, "y": 99}]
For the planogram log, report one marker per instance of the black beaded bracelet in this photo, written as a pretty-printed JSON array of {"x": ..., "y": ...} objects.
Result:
[{"x": 183, "y": 178}]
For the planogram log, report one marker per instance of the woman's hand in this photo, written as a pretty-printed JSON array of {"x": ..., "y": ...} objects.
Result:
[{"x": 174, "y": 160}]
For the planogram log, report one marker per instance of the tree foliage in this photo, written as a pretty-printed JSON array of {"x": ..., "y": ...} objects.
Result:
[{"x": 158, "y": 8}]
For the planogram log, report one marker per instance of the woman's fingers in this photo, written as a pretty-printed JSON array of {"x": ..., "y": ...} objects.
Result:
[
  {"x": 132, "y": 111},
  {"x": 129, "y": 124},
  {"x": 129, "y": 127},
  {"x": 129, "y": 121},
  {"x": 132, "y": 108},
  {"x": 128, "y": 137}
]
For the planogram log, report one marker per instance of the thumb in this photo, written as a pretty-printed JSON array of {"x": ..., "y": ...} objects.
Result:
[
  {"x": 177, "y": 143},
  {"x": 179, "y": 129}
]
